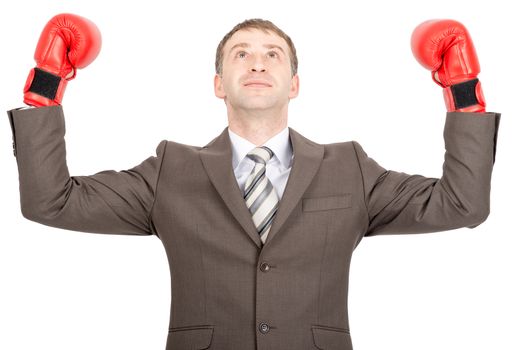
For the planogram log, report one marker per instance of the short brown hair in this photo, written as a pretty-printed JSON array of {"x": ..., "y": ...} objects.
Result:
[{"x": 263, "y": 25}]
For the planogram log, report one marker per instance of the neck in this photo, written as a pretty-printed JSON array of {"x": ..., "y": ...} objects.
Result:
[{"x": 257, "y": 126}]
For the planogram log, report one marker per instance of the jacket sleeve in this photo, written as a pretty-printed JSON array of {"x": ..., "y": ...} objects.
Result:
[
  {"x": 400, "y": 203},
  {"x": 107, "y": 202}
]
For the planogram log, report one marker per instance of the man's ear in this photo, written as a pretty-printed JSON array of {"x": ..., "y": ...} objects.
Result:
[
  {"x": 219, "y": 87},
  {"x": 294, "y": 87}
]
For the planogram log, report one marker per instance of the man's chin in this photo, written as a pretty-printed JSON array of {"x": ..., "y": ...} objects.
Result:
[
  {"x": 259, "y": 102},
  {"x": 256, "y": 103}
]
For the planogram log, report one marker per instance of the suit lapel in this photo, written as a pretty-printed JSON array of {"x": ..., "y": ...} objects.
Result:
[{"x": 217, "y": 161}]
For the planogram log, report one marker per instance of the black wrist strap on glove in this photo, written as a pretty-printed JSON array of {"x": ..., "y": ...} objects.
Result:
[
  {"x": 464, "y": 94},
  {"x": 45, "y": 84}
]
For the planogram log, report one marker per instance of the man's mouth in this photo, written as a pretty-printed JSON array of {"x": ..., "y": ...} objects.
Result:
[{"x": 257, "y": 84}]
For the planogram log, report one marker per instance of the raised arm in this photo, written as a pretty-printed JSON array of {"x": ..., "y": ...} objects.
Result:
[
  {"x": 107, "y": 202},
  {"x": 401, "y": 203}
]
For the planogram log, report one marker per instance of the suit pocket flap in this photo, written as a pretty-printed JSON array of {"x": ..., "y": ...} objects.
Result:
[
  {"x": 326, "y": 203},
  {"x": 331, "y": 338},
  {"x": 193, "y": 337}
]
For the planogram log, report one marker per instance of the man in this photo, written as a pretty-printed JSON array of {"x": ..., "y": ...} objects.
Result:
[{"x": 260, "y": 224}]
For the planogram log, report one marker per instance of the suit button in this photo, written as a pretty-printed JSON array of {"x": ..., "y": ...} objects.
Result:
[
  {"x": 264, "y": 328},
  {"x": 265, "y": 267}
]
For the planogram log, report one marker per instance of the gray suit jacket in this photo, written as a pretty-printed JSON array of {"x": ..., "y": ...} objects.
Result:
[{"x": 230, "y": 292}]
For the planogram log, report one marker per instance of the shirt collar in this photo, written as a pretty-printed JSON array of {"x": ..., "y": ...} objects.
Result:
[{"x": 279, "y": 144}]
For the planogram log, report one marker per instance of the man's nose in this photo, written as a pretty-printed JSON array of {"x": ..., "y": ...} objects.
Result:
[
  {"x": 258, "y": 69},
  {"x": 258, "y": 65}
]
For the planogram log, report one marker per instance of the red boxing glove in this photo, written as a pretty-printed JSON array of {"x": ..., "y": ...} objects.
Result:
[
  {"x": 67, "y": 42},
  {"x": 445, "y": 47}
]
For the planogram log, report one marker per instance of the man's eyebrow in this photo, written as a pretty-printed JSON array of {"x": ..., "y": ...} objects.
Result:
[
  {"x": 268, "y": 46},
  {"x": 273, "y": 46},
  {"x": 239, "y": 45}
]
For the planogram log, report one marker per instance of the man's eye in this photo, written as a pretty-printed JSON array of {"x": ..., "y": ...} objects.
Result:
[
  {"x": 273, "y": 54},
  {"x": 241, "y": 54}
]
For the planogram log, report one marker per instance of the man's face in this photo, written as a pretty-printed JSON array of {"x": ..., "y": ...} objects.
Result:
[{"x": 256, "y": 72}]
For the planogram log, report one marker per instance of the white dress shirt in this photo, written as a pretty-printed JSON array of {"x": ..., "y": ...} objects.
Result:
[{"x": 279, "y": 166}]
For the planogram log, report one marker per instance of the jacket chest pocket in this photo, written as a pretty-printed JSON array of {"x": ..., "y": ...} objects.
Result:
[{"x": 327, "y": 203}]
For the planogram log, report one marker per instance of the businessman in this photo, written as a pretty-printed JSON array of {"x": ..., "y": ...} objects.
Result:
[{"x": 259, "y": 225}]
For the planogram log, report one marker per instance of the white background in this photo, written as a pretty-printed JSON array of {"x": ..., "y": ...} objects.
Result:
[{"x": 153, "y": 80}]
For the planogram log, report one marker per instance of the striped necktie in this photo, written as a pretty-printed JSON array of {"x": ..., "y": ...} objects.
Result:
[{"x": 259, "y": 194}]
